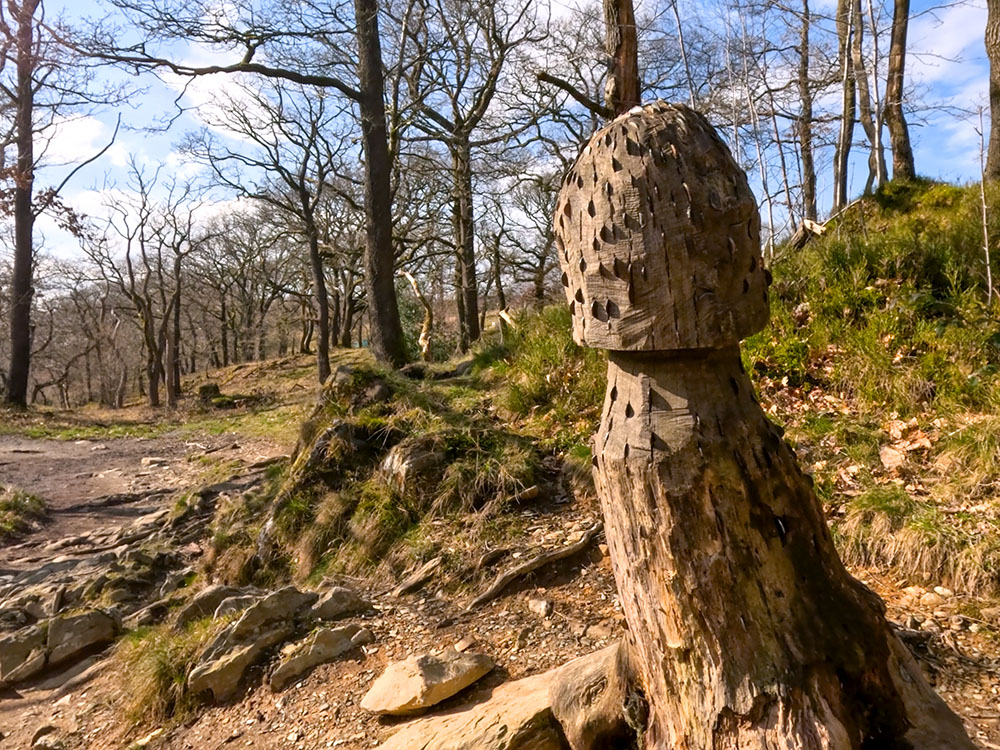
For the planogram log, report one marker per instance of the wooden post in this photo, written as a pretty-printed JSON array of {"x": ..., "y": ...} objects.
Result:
[{"x": 745, "y": 630}]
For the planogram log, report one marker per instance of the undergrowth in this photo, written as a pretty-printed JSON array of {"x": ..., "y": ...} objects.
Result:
[
  {"x": 19, "y": 511},
  {"x": 155, "y": 663},
  {"x": 882, "y": 359}
]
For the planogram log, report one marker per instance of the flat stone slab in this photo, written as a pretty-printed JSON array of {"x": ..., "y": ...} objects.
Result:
[{"x": 419, "y": 682}]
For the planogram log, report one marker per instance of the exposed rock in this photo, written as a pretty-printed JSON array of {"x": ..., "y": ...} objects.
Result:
[
  {"x": 338, "y": 602},
  {"x": 279, "y": 606},
  {"x": 14, "y": 618},
  {"x": 584, "y": 694},
  {"x": 516, "y": 717},
  {"x": 931, "y": 599},
  {"x": 541, "y": 607},
  {"x": 150, "y": 614},
  {"x": 409, "y": 460},
  {"x": 221, "y": 672},
  {"x": 268, "y": 622},
  {"x": 22, "y": 654},
  {"x": 46, "y": 738},
  {"x": 375, "y": 393},
  {"x": 73, "y": 635},
  {"x": 320, "y": 647},
  {"x": 204, "y": 603},
  {"x": 235, "y": 604},
  {"x": 416, "y": 683}
]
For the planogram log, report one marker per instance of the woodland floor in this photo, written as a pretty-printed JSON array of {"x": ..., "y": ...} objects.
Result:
[{"x": 90, "y": 483}]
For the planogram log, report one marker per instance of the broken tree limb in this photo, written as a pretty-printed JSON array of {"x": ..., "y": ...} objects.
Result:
[
  {"x": 529, "y": 566},
  {"x": 805, "y": 233}
]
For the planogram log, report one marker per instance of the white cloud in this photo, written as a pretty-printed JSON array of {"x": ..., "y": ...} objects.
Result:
[
  {"x": 948, "y": 45},
  {"x": 76, "y": 139}
]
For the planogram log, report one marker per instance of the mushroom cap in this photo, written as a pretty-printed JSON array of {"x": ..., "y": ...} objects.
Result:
[{"x": 658, "y": 235}]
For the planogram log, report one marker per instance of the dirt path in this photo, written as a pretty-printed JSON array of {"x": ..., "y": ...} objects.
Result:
[{"x": 90, "y": 484}]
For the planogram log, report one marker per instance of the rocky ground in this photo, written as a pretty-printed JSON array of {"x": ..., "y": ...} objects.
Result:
[{"x": 296, "y": 667}]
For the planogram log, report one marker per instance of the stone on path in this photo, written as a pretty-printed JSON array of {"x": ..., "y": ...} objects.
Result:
[
  {"x": 338, "y": 602},
  {"x": 320, "y": 647},
  {"x": 72, "y": 635},
  {"x": 579, "y": 703},
  {"x": 221, "y": 674},
  {"x": 416, "y": 683},
  {"x": 205, "y": 602},
  {"x": 22, "y": 654},
  {"x": 267, "y": 623},
  {"x": 517, "y": 716}
]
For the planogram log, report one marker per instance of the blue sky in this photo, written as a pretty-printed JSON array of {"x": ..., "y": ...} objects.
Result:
[{"x": 946, "y": 62}]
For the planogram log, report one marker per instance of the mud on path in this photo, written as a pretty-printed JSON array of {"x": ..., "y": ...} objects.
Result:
[{"x": 94, "y": 484}]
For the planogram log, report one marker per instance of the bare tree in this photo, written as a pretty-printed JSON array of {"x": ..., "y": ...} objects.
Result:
[
  {"x": 464, "y": 48},
  {"x": 993, "y": 51},
  {"x": 902, "y": 151},
  {"x": 43, "y": 87},
  {"x": 303, "y": 45},
  {"x": 846, "y": 22},
  {"x": 294, "y": 153}
]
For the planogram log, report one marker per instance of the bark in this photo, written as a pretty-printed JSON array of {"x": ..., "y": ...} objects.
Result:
[
  {"x": 224, "y": 331},
  {"x": 845, "y": 30},
  {"x": 869, "y": 122},
  {"x": 174, "y": 342},
  {"x": 744, "y": 629},
  {"x": 899, "y": 134},
  {"x": 322, "y": 304},
  {"x": 497, "y": 276},
  {"x": 993, "y": 52},
  {"x": 22, "y": 291},
  {"x": 623, "y": 89},
  {"x": 726, "y": 565},
  {"x": 386, "y": 331},
  {"x": 463, "y": 222},
  {"x": 805, "y": 120}
]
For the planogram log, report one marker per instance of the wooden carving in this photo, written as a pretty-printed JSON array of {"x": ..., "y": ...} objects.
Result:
[{"x": 745, "y": 630}]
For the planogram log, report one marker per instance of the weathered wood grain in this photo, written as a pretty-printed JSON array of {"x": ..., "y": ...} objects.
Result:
[{"x": 745, "y": 630}]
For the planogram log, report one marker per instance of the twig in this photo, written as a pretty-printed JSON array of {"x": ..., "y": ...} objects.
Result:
[{"x": 528, "y": 566}]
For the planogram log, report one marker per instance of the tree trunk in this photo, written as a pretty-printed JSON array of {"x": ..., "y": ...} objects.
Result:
[
  {"x": 322, "y": 304},
  {"x": 174, "y": 345},
  {"x": 805, "y": 121},
  {"x": 380, "y": 264},
  {"x": 153, "y": 379},
  {"x": 335, "y": 317},
  {"x": 899, "y": 134},
  {"x": 498, "y": 277},
  {"x": 876, "y": 154},
  {"x": 993, "y": 52},
  {"x": 745, "y": 632},
  {"x": 21, "y": 291},
  {"x": 464, "y": 236},
  {"x": 348, "y": 327},
  {"x": 841, "y": 159},
  {"x": 622, "y": 91},
  {"x": 224, "y": 331}
]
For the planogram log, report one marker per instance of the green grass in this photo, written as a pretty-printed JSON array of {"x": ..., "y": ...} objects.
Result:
[
  {"x": 19, "y": 510},
  {"x": 155, "y": 663}
]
